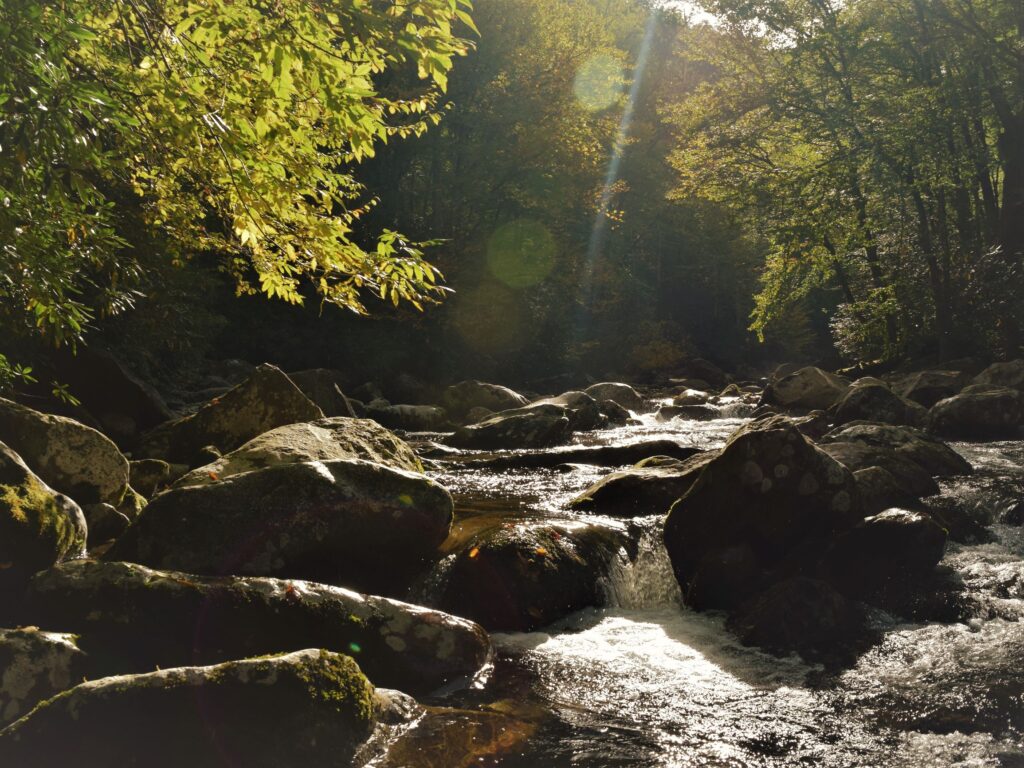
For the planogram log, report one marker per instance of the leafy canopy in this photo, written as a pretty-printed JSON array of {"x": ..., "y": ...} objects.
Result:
[{"x": 207, "y": 126}]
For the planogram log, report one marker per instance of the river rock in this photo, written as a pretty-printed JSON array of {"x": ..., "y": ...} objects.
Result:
[
  {"x": 324, "y": 387},
  {"x": 412, "y": 418},
  {"x": 623, "y": 394},
  {"x": 459, "y": 399},
  {"x": 321, "y": 440},
  {"x": 522, "y": 576},
  {"x": 105, "y": 523},
  {"x": 70, "y": 457},
  {"x": 581, "y": 409},
  {"x": 132, "y": 619},
  {"x": 910, "y": 476},
  {"x": 928, "y": 387},
  {"x": 925, "y": 450},
  {"x": 538, "y": 426},
  {"x": 808, "y": 389},
  {"x": 345, "y": 521},
  {"x": 768, "y": 493},
  {"x": 874, "y": 401},
  {"x": 892, "y": 547},
  {"x": 267, "y": 399},
  {"x": 980, "y": 412},
  {"x": 805, "y": 616},
  {"x": 688, "y": 412},
  {"x": 690, "y": 397},
  {"x": 600, "y": 455},
  {"x": 311, "y": 707},
  {"x": 1009, "y": 374},
  {"x": 34, "y": 666},
  {"x": 880, "y": 490},
  {"x": 642, "y": 490},
  {"x": 148, "y": 476},
  {"x": 38, "y": 526}
]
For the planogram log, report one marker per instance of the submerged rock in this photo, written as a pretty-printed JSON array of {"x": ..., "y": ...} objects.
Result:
[
  {"x": 623, "y": 394},
  {"x": 539, "y": 426},
  {"x": 808, "y": 389},
  {"x": 980, "y": 412},
  {"x": 38, "y": 526},
  {"x": 132, "y": 619},
  {"x": 346, "y": 522},
  {"x": 265, "y": 400},
  {"x": 321, "y": 440},
  {"x": 310, "y": 708},
  {"x": 642, "y": 490},
  {"x": 518, "y": 577},
  {"x": 34, "y": 666},
  {"x": 70, "y": 457},
  {"x": 770, "y": 494}
]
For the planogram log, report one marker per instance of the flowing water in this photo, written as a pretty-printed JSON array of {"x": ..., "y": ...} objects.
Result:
[{"x": 644, "y": 681}]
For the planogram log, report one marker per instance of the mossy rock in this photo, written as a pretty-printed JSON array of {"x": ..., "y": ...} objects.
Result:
[
  {"x": 72, "y": 458},
  {"x": 132, "y": 619},
  {"x": 34, "y": 666},
  {"x": 348, "y": 522},
  {"x": 311, "y": 707},
  {"x": 38, "y": 526},
  {"x": 322, "y": 440},
  {"x": 267, "y": 399}
]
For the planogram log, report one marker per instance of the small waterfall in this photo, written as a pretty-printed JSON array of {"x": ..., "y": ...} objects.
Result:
[
  {"x": 735, "y": 409},
  {"x": 648, "y": 580}
]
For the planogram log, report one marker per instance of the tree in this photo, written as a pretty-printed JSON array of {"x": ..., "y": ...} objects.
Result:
[{"x": 184, "y": 127}]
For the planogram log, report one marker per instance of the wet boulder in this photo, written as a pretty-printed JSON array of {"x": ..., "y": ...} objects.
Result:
[
  {"x": 311, "y": 707},
  {"x": 642, "y": 490},
  {"x": 347, "y": 522},
  {"x": 910, "y": 476},
  {"x": 265, "y": 400},
  {"x": 808, "y": 389},
  {"x": 876, "y": 402},
  {"x": 980, "y": 412},
  {"x": 34, "y": 666},
  {"x": 925, "y": 450},
  {"x": 690, "y": 397},
  {"x": 321, "y": 440},
  {"x": 521, "y": 576},
  {"x": 459, "y": 399},
  {"x": 770, "y": 494},
  {"x": 805, "y": 616},
  {"x": 703, "y": 412},
  {"x": 1009, "y": 374},
  {"x": 928, "y": 387},
  {"x": 72, "y": 458},
  {"x": 38, "y": 526},
  {"x": 892, "y": 548},
  {"x": 583, "y": 411},
  {"x": 324, "y": 387},
  {"x": 131, "y": 619},
  {"x": 623, "y": 394},
  {"x": 538, "y": 426}
]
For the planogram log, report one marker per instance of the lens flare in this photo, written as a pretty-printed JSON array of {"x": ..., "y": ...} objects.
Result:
[
  {"x": 521, "y": 253},
  {"x": 599, "y": 83}
]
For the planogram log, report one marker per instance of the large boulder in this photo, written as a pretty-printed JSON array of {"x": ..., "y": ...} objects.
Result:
[
  {"x": 321, "y": 440},
  {"x": 805, "y": 616},
  {"x": 910, "y": 476},
  {"x": 131, "y": 619},
  {"x": 925, "y": 450},
  {"x": 538, "y": 426},
  {"x": 874, "y": 401},
  {"x": 1009, "y": 374},
  {"x": 347, "y": 521},
  {"x": 38, "y": 526},
  {"x": 890, "y": 548},
  {"x": 582, "y": 410},
  {"x": 880, "y": 490},
  {"x": 809, "y": 389},
  {"x": 623, "y": 394},
  {"x": 311, "y": 707},
  {"x": 642, "y": 490},
  {"x": 71, "y": 457},
  {"x": 517, "y": 578},
  {"x": 756, "y": 513},
  {"x": 324, "y": 387},
  {"x": 265, "y": 400},
  {"x": 34, "y": 666},
  {"x": 980, "y": 412},
  {"x": 928, "y": 387},
  {"x": 459, "y": 399}
]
